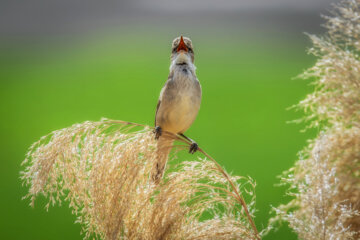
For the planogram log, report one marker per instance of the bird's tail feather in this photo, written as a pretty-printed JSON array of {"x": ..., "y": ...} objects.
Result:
[{"x": 164, "y": 146}]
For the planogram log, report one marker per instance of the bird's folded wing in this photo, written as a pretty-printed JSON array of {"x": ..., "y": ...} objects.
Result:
[{"x": 157, "y": 109}]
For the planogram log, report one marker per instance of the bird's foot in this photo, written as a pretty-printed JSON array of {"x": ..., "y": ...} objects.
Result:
[
  {"x": 158, "y": 132},
  {"x": 193, "y": 148}
]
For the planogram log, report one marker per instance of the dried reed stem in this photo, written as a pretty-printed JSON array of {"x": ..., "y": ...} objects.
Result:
[
  {"x": 220, "y": 169},
  {"x": 238, "y": 195}
]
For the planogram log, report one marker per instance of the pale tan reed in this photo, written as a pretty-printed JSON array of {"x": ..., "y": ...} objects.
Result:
[
  {"x": 103, "y": 169},
  {"x": 325, "y": 182}
]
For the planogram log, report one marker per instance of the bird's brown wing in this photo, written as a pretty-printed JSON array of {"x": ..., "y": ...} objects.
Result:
[
  {"x": 163, "y": 89},
  {"x": 157, "y": 109}
]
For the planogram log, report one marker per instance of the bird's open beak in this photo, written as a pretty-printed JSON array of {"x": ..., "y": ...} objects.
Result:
[{"x": 182, "y": 45}]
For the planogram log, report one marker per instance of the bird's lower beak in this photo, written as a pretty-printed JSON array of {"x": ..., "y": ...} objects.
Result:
[{"x": 182, "y": 45}]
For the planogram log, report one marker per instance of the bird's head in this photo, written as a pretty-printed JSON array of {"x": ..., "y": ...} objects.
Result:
[{"x": 182, "y": 51}]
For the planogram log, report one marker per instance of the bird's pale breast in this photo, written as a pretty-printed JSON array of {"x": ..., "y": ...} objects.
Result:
[{"x": 180, "y": 103}]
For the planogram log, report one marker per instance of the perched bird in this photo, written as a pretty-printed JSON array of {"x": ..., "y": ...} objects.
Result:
[{"x": 179, "y": 102}]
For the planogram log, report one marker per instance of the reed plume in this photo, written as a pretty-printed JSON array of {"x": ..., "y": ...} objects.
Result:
[
  {"x": 325, "y": 182},
  {"x": 103, "y": 169}
]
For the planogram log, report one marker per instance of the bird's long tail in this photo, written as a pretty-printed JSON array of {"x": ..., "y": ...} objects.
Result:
[{"x": 164, "y": 146}]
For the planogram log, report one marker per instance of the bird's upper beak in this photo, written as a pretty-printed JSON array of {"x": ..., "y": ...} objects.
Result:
[{"x": 182, "y": 45}]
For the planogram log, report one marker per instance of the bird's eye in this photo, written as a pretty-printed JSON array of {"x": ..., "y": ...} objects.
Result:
[
  {"x": 174, "y": 49},
  {"x": 190, "y": 50}
]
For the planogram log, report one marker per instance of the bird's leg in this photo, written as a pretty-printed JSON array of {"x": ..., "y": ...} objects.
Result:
[
  {"x": 158, "y": 132},
  {"x": 193, "y": 147}
]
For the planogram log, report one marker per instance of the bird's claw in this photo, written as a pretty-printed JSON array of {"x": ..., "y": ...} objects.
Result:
[
  {"x": 158, "y": 132},
  {"x": 193, "y": 148}
]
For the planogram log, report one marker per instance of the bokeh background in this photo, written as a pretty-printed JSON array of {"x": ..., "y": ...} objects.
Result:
[{"x": 66, "y": 61}]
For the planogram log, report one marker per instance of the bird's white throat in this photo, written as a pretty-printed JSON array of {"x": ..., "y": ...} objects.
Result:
[{"x": 182, "y": 59}]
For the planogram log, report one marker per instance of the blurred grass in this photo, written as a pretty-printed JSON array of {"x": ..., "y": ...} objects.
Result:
[{"x": 246, "y": 86}]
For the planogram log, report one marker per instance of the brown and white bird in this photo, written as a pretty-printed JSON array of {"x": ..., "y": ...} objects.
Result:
[{"x": 179, "y": 102}]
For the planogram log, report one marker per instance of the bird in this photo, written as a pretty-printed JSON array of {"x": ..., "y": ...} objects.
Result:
[{"x": 178, "y": 104}]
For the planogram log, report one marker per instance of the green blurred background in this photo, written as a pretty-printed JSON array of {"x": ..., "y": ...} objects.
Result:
[{"x": 67, "y": 62}]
